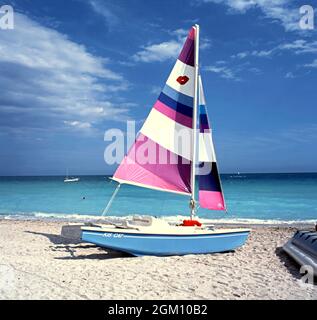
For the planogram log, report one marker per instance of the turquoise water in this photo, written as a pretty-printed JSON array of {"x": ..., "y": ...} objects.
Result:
[{"x": 286, "y": 197}]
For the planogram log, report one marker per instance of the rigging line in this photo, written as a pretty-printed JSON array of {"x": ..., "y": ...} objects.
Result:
[{"x": 105, "y": 211}]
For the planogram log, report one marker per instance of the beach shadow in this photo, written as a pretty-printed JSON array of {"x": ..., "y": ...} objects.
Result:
[
  {"x": 56, "y": 238},
  {"x": 291, "y": 265},
  {"x": 105, "y": 254},
  {"x": 71, "y": 246}
]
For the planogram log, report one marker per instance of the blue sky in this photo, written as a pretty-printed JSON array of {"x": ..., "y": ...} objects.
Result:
[{"x": 72, "y": 69}]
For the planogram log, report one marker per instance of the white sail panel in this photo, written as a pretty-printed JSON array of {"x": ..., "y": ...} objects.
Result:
[
  {"x": 206, "y": 148},
  {"x": 182, "y": 70},
  {"x": 160, "y": 129}
]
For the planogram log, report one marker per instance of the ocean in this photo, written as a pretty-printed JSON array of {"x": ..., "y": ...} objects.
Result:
[{"x": 262, "y": 198}]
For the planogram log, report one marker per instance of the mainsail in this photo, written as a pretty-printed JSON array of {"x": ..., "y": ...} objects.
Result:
[
  {"x": 210, "y": 190},
  {"x": 157, "y": 159}
]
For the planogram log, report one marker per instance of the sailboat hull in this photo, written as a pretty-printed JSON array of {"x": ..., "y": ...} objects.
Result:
[
  {"x": 71, "y": 180},
  {"x": 140, "y": 244}
]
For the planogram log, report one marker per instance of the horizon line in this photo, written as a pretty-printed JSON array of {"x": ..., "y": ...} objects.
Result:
[{"x": 109, "y": 175}]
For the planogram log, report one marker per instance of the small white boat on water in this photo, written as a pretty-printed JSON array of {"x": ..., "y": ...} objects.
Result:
[
  {"x": 174, "y": 113},
  {"x": 238, "y": 176},
  {"x": 70, "y": 179}
]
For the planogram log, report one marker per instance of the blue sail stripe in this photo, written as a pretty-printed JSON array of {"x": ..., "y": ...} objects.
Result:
[
  {"x": 181, "y": 108},
  {"x": 210, "y": 182},
  {"x": 202, "y": 109},
  {"x": 203, "y": 119},
  {"x": 178, "y": 96}
]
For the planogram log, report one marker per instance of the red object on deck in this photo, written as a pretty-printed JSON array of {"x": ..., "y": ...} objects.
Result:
[{"x": 191, "y": 223}]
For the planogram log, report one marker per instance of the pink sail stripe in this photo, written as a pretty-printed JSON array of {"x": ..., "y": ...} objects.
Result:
[
  {"x": 188, "y": 51},
  {"x": 191, "y": 33},
  {"x": 174, "y": 115},
  {"x": 212, "y": 200},
  {"x": 149, "y": 164}
]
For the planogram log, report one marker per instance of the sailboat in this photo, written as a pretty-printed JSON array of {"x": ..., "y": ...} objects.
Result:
[
  {"x": 70, "y": 179},
  {"x": 175, "y": 112},
  {"x": 238, "y": 175}
]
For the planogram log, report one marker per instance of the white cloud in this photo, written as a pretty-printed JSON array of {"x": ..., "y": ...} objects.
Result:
[
  {"x": 78, "y": 124},
  {"x": 254, "y": 53},
  {"x": 311, "y": 65},
  {"x": 231, "y": 71},
  {"x": 296, "y": 47},
  {"x": 205, "y": 43},
  {"x": 45, "y": 74},
  {"x": 220, "y": 62},
  {"x": 224, "y": 72},
  {"x": 240, "y": 55},
  {"x": 181, "y": 33},
  {"x": 289, "y": 75},
  {"x": 35, "y": 46},
  {"x": 156, "y": 90},
  {"x": 237, "y": 5},
  {"x": 158, "y": 52},
  {"x": 103, "y": 9},
  {"x": 255, "y": 70},
  {"x": 169, "y": 49},
  {"x": 280, "y": 11},
  {"x": 300, "y": 46}
]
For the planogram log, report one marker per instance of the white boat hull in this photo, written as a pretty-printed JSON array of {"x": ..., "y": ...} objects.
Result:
[{"x": 72, "y": 180}]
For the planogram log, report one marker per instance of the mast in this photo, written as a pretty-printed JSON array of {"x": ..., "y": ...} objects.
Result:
[{"x": 192, "y": 203}]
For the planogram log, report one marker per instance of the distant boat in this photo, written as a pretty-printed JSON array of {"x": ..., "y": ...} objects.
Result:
[
  {"x": 238, "y": 176},
  {"x": 70, "y": 179},
  {"x": 175, "y": 110}
]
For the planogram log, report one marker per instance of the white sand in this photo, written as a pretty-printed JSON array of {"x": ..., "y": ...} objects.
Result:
[{"x": 37, "y": 263}]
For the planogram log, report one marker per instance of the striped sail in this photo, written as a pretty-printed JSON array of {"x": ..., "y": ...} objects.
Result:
[
  {"x": 210, "y": 190},
  {"x": 157, "y": 159}
]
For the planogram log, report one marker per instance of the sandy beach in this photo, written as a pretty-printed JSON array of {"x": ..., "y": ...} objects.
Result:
[{"x": 38, "y": 263}]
